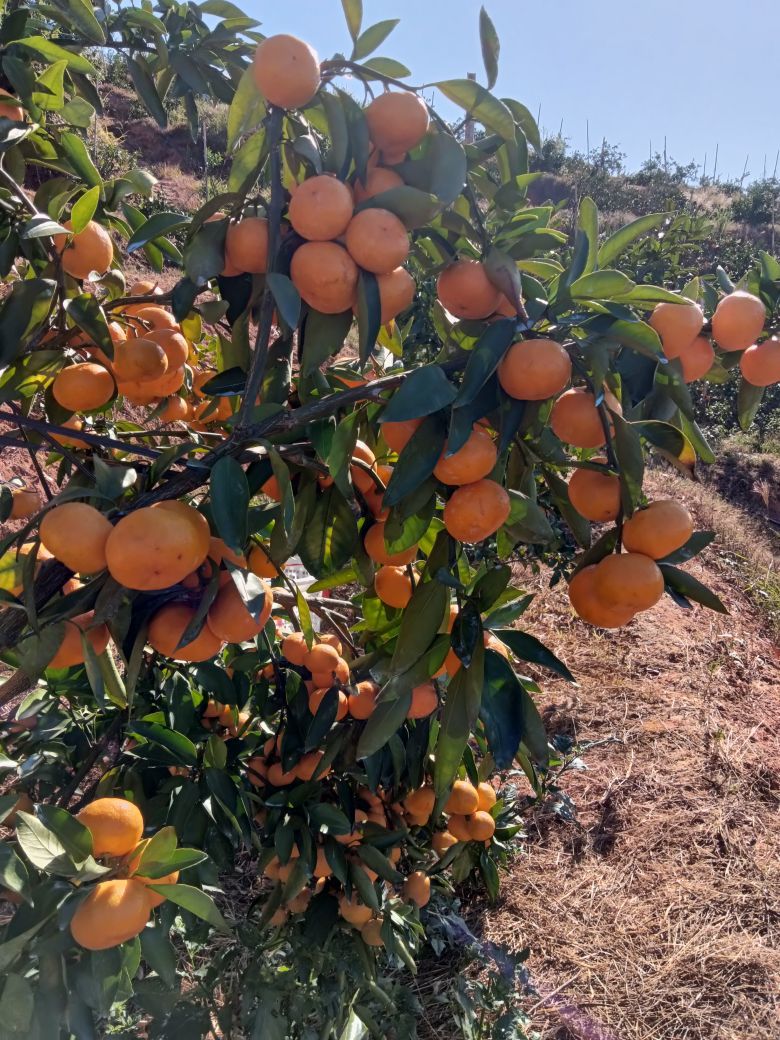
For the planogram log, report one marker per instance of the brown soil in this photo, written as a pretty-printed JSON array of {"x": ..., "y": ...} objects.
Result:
[{"x": 658, "y": 916}]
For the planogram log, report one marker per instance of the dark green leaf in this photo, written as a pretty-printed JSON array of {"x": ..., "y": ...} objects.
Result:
[
  {"x": 51, "y": 52},
  {"x": 76, "y": 152},
  {"x": 86, "y": 312},
  {"x": 425, "y": 391},
  {"x": 230, "y": 502},
  {"x": 157, "y": 226},
  {"x": 484, "y": 359},
  {"x": 529, "y": 648},
  {"x": 369, "y": 314},
  {"x": 417, "y": 461},
  {"x": 371, "y": 38},
  {"x": 386, "y": 719},
  {"x": 491, "y": 47},
  {"x": 146, "y": 89},
  {"x": 501, "y": 709},
  {"x": 686, "y": 585},
  {"x": 481, "y": 104},
  {"x": 620, "y": 240},
  {"x": 329, "y": 538},
  {"x": 196, "y": 901},
  {"x": 420, "y": 624},
  {"x": 461, "y": 711},
  {"x": 749, "y": 401},
  {"x": 286, "y": 297},
  {"x": 628, "y": 448},
  {"x": 159, "y": 953}
]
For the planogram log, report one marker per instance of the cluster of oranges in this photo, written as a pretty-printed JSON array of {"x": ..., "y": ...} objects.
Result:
[
  {"x": 611, "y": 592},
  {"x": 118, "y": 909},
  {"x": 737, "y": 324},
  {"x": 166, "y": 545}
]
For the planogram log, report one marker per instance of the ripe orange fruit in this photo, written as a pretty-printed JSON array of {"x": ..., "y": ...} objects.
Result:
[
  {"x": 76, "y": 534},
  {"x": 83, "y": 387},
  {"x": 396, "y": 293},
  {"x": 154, "y": 548},
  {"x": 25, "y": 503},
  {"x": 321, "y": 658},
  {"x": 9, "y": 110},
  {"x": 678, "y": 325},
  {"x": 197, "y": 521},
  {"x": 156, "y": 318},
  {"x": 116, "y": 825},
  {"x": 246, "y": 245},
  {"x": 663, "y": 528},
  {"x": 463, "y": 799},
  {"x": 337, "y": 675},
  {"x": 378, "y": 180},
  {"x": 398, "y": 434},
  {"x": 321, "y": 208},
  {"x": 425, "y": 701},
  {"x": 71, "y": 651},
  {"x": 628, "y": 580},
  {"x": 470, "y": 463},
  {"x": 332, "y": 640},
  {"x": 272, "y": 489},
  {"x": 229, "y": 618},
  {"x": 260, "y": 563},
  {"x": 494, "y": 643},
  {"x": 417, "y": 888},
  {"x": 360, "y": 478},
  {"x": 760, "y": 364},
  {"x": 458, "y": 826},
  {"x": 72, "y": 423},
  {"x": 286, "y": 71},
  {"x": 393, "y": 586},
  {"x": 277, "y": 777},
  {"x": 256, "y": 770},
  {"x": 481, "y": 826},
  {"x": 696, "y": 359},
  {"x": 594, "y": 495},
  {"x": 167, "y": 627},
  {"x": 576, "y": 420},
  {"x": 371, "y": 932},
  {"x": 534, "y": 369},
  {"x": 377, "y": 241},
  {"x": 362, "y": 703},
  {"x": 316, "y": 697},
  {"x": 397, "y": 121},
  {"x": 90, "y": 250},
  {"x": 176, "y": 410},
  {"x": 154, "y": 898},
  {"x": 475, "y": 511},
  {"x": 174, "y": 344},
  {"x": 308, "y": 766},
  {"x": 219, "y": 552},
  {"x": 325, "y": 275},
  {"x": 443, "y": 840},
  {"x": 421, "y": 801},
  {"x": 374, "y": 543},
  {"x": 738, "y": 320},
  {"x": 465, "y": 290},
  {"x": 589, "y": 607},
  {"x": 353, "y": 911},
  {"x": 486, "y": 795},
  {"x": 144, "y": 287},
  {"x": 113, "y": 912},
  {"x": 294, "y": 648},
  {"x": 140, "y": 359}
]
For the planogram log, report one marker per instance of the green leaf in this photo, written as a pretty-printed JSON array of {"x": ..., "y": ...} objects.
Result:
[
  {"x": 16, "y": 1006},
  {"x": 323, "y": 336},
  {"x": 159, "y": 953},
  {"x": 189, "y": 72},
  {"x": 686, "y": 585},
  {"x": 36, "y": 650},
  {"x": 484, "y": 360},
  {"x": 369, "y": 314},
  {"x": 411, "y": 205},
  {"x": 636, "y": 334},
  {"x": 525, "y": 121},
  {"x": 179, "y": 746},
  {"x": 699, "y": 540},
  {"x": 386, "y": 719},
  {"x": 622, "y": 239},
  {"x": 501, "y": 709},
  {"x": 286, "y": 297},
  {"x": 50, "y": 52},
  {"x": 420, "y": 624},
  {"x": 481, "y": 104},
  {"x": 230, "y": 502},
  {"x": 491, "y": 47},
  {"x": 601, "y": 285},
  {"x": 24, "y": 309},
  {"x": 157, "y": 226},
  {"x": 461, "y": 711},
  {"x": 749, "y": 400},
  {"x": 353, "y": 12},
  {"x": 529, "y": 648},
  {"x": 248, "y": 162},
  {"x": 527, "y": 521},
  {"x": 82, "y": 17},
  {"x": 13, "y": 872},
  {"x": 247, "y": 109},
  {"x": 628, "y": 448},
  {"x": 76, "y": 839},
  {"x": 86, "y": 312},
  {"x": 84, "y": 209},
  {"x": 42, "y": 847},
  {"x": 371, "y": 38},
  {"x": 387, "y": 67},
  {"x": 330, "y": 537},
  {"x": 196, "y": 902},
  {"x": 425, "y": 391},
  {"x": 76, "y": 152},
  {"x": 147, "y": 91},
  {"x": 417, "y": 461},
  {"x": 534, "y": 734}
]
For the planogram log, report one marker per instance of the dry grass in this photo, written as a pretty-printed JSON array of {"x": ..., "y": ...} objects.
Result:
[{"x": 659, "y": 919}]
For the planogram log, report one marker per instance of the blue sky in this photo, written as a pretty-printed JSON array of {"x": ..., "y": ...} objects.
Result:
[{"x": 701, "y": 72}]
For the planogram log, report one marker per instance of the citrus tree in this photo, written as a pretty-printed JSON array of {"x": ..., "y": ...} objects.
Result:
[{"x": 377, "y": 358}]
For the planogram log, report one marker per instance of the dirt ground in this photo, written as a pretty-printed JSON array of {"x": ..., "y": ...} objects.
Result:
[{"x": 658, "y": 917}]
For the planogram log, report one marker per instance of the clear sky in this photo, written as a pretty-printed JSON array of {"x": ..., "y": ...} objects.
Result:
[{"x": 700, "y": 72}]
